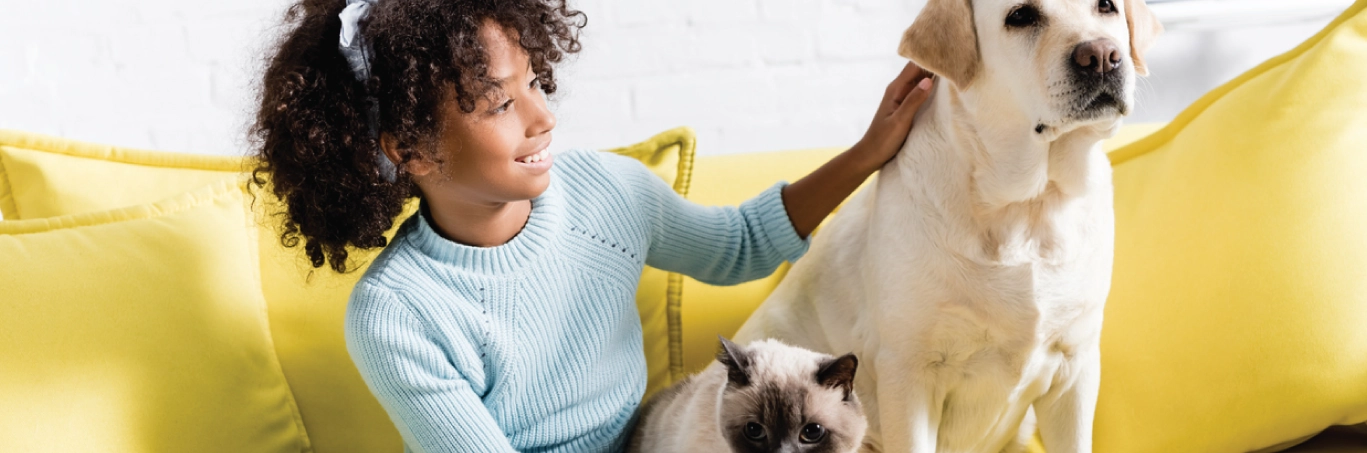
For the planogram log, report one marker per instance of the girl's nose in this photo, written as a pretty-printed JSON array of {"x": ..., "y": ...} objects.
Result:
[{"x": 543, "y": 120}]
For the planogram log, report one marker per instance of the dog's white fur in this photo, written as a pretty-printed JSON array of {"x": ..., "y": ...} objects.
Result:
[{"x": 970, "y": 277}]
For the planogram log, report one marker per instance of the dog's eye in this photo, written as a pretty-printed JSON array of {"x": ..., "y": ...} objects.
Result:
[
  {"x": 1106, "y": 7},
  {"x": 1024, "y": 16},
  {"x": 754, "y": 431}
]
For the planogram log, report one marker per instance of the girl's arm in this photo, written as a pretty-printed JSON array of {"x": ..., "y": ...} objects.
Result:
[
  {"x": 812, "y": 198},
  {"x": 721, "y": 245},
  {"x": 731, "y": 245},
  {"x": 430, "y": 402}
]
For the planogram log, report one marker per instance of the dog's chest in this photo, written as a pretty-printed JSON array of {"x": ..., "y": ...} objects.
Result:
[
  {"x": 1048, "y": 233},
  {"x": 1020, "y": 285},
  {"x": 992, "y": 316},
  {"x": 1010, "y": 344}
]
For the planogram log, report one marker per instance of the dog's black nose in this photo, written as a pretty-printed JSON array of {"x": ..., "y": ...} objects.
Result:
[{"x": 1099, "y": 55}]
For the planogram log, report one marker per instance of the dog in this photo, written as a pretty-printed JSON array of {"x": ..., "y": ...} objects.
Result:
[{"x": 971, "y": 275}]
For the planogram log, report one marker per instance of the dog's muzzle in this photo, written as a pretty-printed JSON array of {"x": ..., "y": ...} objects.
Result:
[{"x": 1098, "y": 73}]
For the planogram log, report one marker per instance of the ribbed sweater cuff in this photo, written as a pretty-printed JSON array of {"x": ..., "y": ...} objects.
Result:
[{"x": 775, "y": 224}]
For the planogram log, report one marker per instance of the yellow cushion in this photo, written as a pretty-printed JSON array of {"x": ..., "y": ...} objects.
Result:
[
  {"x": 47, "y": 176},
  {"x": 44, "y": 176},
  {"x": 140, "y": 330},
  {"x": 1238, "y": 310},
  {"x": 307, "y": 308}
]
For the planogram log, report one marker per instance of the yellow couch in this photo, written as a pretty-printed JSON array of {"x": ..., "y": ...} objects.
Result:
[{"x": 335, "y": 413}]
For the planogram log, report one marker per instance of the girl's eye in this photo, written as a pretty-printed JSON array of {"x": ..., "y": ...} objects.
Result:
[
  {"x": 754, "y": 431},
  {"x": 1106, "y": 6},
  {"x": 812, "y": 433},
  {"x": 1025, "y": 16},
  {"x": 504, "y": 107}
]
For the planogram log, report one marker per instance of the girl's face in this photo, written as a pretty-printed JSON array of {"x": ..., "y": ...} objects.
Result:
[{"x": 497, "y": 153}]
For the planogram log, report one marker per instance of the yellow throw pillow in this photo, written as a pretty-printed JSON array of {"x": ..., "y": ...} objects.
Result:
[
  {"x": 43, "y": 176},
  {"x": 51, "y": 176},
  {"x": 307, "y": 307},
  {"x": 140, "y": 330},
  {"x": 1237, "y": 318}
]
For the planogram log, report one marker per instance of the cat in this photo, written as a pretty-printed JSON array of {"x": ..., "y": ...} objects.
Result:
[{"x": 763, "y": 397}]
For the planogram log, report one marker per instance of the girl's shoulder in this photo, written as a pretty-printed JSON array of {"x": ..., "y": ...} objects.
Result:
[
  {"x": 601, "y": 184},
  {"x": 623, "y": 173},
  {"x": 394, "y": 263},
  {"x": 596, "y": 171},
  {"x": 592, "y": 162}
]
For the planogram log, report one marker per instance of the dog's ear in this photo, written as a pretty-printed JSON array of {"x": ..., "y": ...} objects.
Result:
[
  {"x": 737, "y": 361},
  {"x": 943, "y": 41},
  {"x": 1144, "y": 28}
]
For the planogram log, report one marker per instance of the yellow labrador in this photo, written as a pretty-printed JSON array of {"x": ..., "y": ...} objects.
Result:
[{"x": 970, "y": 277}]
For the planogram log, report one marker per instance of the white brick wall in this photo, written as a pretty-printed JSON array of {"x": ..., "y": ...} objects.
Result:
[
  {"x": 749, "y": 75},
  {"x": 162, "y": 74}
]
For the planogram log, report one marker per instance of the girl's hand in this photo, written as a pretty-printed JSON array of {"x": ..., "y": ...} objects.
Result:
[
  {"x": 812, "y": 198},
  {"x": 892, "y": 122}
]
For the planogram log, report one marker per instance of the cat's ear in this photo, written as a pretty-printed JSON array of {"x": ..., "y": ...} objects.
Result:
[
  {"x": 838, "y": 373},
  {"x": 737, "y": 361}
]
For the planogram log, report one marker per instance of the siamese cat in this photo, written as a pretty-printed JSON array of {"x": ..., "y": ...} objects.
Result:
[{"x": 762, "y": 397}]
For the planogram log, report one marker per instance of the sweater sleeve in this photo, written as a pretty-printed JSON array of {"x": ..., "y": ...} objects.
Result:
[
  {"x": 714, "y": 244},
  {"x": 433, "y": 406}
]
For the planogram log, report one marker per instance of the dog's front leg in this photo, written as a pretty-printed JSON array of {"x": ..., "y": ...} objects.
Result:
[
  {"x": 1066, "y": 414},
  {"x": 908, "y": 410}
]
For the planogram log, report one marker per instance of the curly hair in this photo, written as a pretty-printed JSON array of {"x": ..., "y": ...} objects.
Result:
[{"x": 313, "y": 144}]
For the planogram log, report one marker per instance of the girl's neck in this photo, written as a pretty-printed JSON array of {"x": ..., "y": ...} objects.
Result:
[{"x": 478, "y": 225}]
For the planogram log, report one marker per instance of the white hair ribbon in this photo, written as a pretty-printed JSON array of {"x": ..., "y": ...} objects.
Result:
[
  {"x": 353, "y": 45},
  {"x": 357, "y": 51}
]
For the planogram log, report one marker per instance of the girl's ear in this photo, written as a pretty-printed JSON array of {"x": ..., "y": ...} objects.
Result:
[{"x": 416, "y": 167}]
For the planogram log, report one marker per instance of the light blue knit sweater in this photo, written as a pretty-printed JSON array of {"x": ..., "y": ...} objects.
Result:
[{"x": 535, "y": 345}]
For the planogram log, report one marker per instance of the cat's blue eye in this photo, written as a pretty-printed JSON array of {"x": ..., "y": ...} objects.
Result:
[
  {"x": 754, "y": 431},
  {"x": 812, "y": 433}
]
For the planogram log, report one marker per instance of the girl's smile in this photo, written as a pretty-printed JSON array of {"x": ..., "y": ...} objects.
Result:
[{"x": 539, "y": 161}]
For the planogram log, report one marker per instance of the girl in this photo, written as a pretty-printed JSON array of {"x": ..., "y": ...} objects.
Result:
[{"x": 501, "y": 317}]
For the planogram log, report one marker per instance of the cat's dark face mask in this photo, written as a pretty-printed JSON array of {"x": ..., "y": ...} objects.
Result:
[{"x": 815, "y": 413}]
